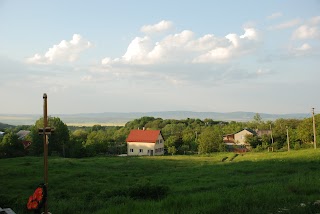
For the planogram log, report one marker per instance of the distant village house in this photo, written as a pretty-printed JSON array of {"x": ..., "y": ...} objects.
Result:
[
  {"x": 238, "y": 140},
  {"x": 22, "y": 134}
]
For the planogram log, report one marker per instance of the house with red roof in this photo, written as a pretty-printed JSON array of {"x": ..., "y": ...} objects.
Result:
[{"x": 145, "y": 142}]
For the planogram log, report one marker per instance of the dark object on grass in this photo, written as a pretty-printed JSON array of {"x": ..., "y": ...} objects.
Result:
[
  {"x": 233, "y": 157},
  {"x": 223, "y": 159}
]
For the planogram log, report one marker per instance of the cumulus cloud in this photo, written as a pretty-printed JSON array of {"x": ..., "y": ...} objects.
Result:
[
  {"x": 300, "y": 51},
  {"x": 274, "y": 15},
  {"x": 64, "y": 51},
  {"x": 143, "y": 50},
  {"x": 183, "y": 47},
  {"x": 138, "y": 49},
  {"x": 306, "y": 32},
  {"x": 176, "y": 58},
  {"x": 159, "y": 27},
  {"x": 309, "y": 30},
  {"x": 304, "y": 47},
  {"x": 237, "y": 46}
]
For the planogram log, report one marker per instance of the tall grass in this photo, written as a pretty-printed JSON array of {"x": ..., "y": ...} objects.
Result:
[{"x": 286, "y": 182}]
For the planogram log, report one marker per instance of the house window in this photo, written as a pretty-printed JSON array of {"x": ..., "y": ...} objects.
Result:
[
  {"x": 131, "y": 150},
  {"x": 140, "y": 150}
]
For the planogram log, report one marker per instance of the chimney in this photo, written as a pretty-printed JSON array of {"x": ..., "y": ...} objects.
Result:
[{"x": 143, "y": 128}]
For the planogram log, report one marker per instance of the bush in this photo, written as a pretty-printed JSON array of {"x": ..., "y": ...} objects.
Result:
[
  {"x": 307, "y": 145},
  {"x": 259, "y": 148},
  {"x": 223, "y": 147},
  {"x": 297, "y": 146}
]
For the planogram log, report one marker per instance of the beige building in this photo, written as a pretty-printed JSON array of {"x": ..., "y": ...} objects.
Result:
[
  {"x": 237, "y": 141},
  {"x": 145, "y": 142},
  {"x": 240, "y": 137}
]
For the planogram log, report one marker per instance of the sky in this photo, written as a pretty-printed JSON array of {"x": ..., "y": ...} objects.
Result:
[{"x": 144, "y": 56}]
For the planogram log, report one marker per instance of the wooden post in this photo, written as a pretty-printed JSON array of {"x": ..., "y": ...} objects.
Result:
[
  {"x": 45, "y": 148},
  {"x": 271, "y": 134}
]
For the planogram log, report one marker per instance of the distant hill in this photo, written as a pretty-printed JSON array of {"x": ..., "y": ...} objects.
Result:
[
  {"x": 116, "y": 118},
  {"x": 3, "y": 126}
]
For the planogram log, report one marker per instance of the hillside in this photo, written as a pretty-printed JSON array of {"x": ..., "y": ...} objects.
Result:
[
  {"x": 4, "y": 126},
  {"x": 279, "y": 182},
  {"x": 116, "y": 118}
]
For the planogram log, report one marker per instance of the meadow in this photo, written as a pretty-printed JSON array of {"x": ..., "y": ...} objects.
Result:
[{"x": 275, "y": 182}]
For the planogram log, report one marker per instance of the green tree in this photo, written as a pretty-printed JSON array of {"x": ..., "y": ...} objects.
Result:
[
  {"x": 305, "y": 131},
  {"x": 97, "y": 142},
  {"x": 11, "y": 146},
  {"x": 172, "y": 150},
  {"x": 232, "y": 127},
  {"x": 75, "y": 148},
  {"x": 210, "y": 140},
  {"x": 170, "y": 141},
  {"x": 253, "y": 140},
  {"x": 189, "y": 139},
  {"x": 257, "y": 118},
  {"x": 57, "y": 141}
]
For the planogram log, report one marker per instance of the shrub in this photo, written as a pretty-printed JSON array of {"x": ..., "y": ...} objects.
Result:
[
  {"x": 307, "y": 145},
  {"x": 297, "y": 146},
  {"x": 259, "y": 148}
]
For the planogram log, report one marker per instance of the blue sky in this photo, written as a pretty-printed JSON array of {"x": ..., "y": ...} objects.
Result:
[{"x": 143, "y": 56}]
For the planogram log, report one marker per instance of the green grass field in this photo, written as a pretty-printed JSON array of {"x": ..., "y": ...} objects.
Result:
[{"x": 279, "y": 182}]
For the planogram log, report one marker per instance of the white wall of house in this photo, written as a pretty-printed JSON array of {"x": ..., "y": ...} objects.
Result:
[
  {"x": 159, "y": 146},
  {"x": 140, "y": 148},
  {"x": 240, "y": 137},
  {"x": 145, "y": 148}
]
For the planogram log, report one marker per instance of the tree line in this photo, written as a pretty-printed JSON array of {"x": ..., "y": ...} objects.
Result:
[{"x": 187, "y": 136}]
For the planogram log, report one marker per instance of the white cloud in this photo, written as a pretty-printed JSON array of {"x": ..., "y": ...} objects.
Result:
[
  {"x": 178, "y": 58},
  {"x": 205, "y": 43},
  {"x": 171, "y": 48},
  {"x": 184, "y": 48},
  {"x": 159, "y": 27},
  {"x": 64, "y": 51},
  {"x": 303, "y": 50},
  {"x": 143, "y": 51},
  {"x": 238, "y": 45},
  {"x": 314, "y": 20},
  {"x": 250, "y": 33},
  {"x": 274, "y": 15},
  {"x": 306, "y": 32},
  {"x": 304, "y": 47},
  {"x": 310, "y": 30},
  {"x": 137, "y": 50},
  {"x": 286, "y": 25}
]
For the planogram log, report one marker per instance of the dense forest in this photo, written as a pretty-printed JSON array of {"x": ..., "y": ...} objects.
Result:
[{"x": 187, "y": 136}]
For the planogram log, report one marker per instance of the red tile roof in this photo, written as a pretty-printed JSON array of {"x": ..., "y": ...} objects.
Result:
[
  {"x": 147, "y": 136},
  {"x": 26, "y": 144}
]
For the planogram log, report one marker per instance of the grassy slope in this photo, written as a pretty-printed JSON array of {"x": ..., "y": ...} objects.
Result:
[{"x": 253, "y": 183}]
